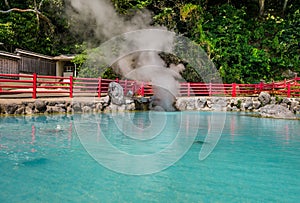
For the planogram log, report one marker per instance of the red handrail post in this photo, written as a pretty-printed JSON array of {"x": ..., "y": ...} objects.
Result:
[
  {"x": 71, "y": 86},
  {"x": 142, "y": 89},
  {"x": 189, "y": 90},
  {"x": 210, "y": 90},
  {"x": 261, "y": 86},
  {"x": 125, "y": 86},
  {"x": 233, "y": 94},
  {"x": 99, "y": 87},
  {"x": 34, "y": 85},
  {"x": 289, "y": 90}
]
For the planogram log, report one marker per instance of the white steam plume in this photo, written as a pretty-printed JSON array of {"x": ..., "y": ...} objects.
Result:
[{"x": 143, "y": 63}]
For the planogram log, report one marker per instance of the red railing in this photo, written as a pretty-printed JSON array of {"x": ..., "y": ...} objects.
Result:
[{"x": 38, "y": 85}]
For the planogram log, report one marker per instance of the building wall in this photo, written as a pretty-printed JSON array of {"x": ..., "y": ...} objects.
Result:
[
  {"x": 37, "y": 65},
  {"x": 9, "y": 65}
]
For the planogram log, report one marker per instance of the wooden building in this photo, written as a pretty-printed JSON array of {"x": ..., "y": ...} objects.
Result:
[
  {"x": 26, "y": 62},
  {"x": 9, "y": 63}
]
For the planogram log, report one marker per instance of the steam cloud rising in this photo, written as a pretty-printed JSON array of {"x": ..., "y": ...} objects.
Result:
[{"x": 138, "y": 54}]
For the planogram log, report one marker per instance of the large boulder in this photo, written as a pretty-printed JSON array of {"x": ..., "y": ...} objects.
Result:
[
  {"x": 40, "y": 106},
  {"x": 264, "y": 98},
  {"x": 276, "y": 111},
  {"x": 11, "y": 108},
  {"x": 116, "y": 93}
]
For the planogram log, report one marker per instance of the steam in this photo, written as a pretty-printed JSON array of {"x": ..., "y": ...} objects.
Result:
[
  {"x": 100, "y": 17},
  {"x": 137, "y": 53}
]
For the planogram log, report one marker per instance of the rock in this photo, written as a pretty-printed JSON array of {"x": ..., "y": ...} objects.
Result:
[
  {"x": 99, "y": 107},
  {"x": 116, "y": 94},
  {"x": 130, "y": 107},
  {"x": 20, "y": 110},
  {"x": 55, "y": 109},
  {"x": 104, "y": 99},
  {"x": 234, "y": 108},
  {"x": 180, "y": 103},
  {"x": 264, "y": 98},
  {"x": 87, "y": 109},
  {"x": 70, "y": 109},
  {"x": 63, "y": 106},
  {"x": 286, "y": 101},
  {"x": 11, "y": 108},
  {"x": 208, "y": 103},
  {"x": 130, "y": 101},
  {"x": 294, "y": 104},
  {"x": 52, "y": 103},
  {"x": 129, "y": 94},
  {"x": 2, "y": 109},
  {"x": 273, "y": 100},
  {"x": 40, "y": 106},
  {"x": 256, "y": 104},
  {"x": 229, "y": 108},
  {"x": 248, "y": 104},
  {"x": 296, "y": 109},
  {"x": 219, "y": 104},
  {"x": 276, "y": 111},
  {"x": 31, "y": 105},
  {"x": 190, "y": 104},
  {"x": 284, "y": 105},
  {"x": 28, "y": 110},
  {"x": 200, "y": 103},
  {"x": 76, "y": 107}
]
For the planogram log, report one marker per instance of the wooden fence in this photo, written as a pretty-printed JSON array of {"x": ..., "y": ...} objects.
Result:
[{"x": 37, "y": 85}]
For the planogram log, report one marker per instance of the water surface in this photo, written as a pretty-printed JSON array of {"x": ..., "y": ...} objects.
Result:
[{"x": 255, "y": 160}]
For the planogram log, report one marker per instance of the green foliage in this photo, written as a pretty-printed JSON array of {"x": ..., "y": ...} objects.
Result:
[
  {"x": 87, "y": 68},
  {"x": 244, "y": 46},
  {"x": 24, "y": 30}
]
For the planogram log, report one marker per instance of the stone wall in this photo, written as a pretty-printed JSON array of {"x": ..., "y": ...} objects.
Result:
[
  {"x": 183, "y": 103},
  {"x": 251, "y": 104},
  {"x": 64, "y": 106}
]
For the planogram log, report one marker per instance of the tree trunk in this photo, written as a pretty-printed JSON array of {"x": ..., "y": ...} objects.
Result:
[
  {"x": 261, "y": 7},
  {"x": 284, "y": 6}
]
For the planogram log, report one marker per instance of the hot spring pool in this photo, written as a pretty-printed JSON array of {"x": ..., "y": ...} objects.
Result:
[{"x": 255, "y": 160}]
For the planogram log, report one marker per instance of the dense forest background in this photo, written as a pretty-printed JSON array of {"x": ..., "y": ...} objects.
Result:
[{"x": 248, "y": 40}]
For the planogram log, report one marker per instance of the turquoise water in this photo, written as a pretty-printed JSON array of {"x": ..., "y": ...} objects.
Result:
[{"x": 255, "y": 160}]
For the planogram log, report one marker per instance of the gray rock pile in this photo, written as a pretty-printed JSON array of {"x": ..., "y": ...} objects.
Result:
[{"x": 249, "y": 104}]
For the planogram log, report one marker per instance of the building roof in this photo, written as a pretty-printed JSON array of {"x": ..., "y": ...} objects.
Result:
[
  {"x": 29, "y": 53},
  {"x": 10, "y": 55},
  {"x": 19, "y": 52},
  {"x": 62, "y": 57}
]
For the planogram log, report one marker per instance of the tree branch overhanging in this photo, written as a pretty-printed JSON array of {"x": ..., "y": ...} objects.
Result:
[{"x": 37, "y": 12}]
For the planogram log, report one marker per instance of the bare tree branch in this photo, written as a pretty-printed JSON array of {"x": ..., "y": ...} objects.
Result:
[
  {"x": 41, "y": 4},
  {"x": 37, "y": 12}
]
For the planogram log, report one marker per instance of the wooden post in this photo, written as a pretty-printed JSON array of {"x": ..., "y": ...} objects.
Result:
[
  {"x": 289, "y": 90},
  {"x": 71, "y": 86},
  {"x": 233, "y": 94},
  {"x": 34, "y": 85},
  {"x": 99, "y": 87}
]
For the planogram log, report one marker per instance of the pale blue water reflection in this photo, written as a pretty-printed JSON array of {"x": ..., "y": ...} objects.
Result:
[{"x": 256, "y": 160}]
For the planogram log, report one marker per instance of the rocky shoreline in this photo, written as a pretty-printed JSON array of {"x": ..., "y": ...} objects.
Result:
[
  {"x": 91, "y": 105},
  {"x": 248, "y": 104}
]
